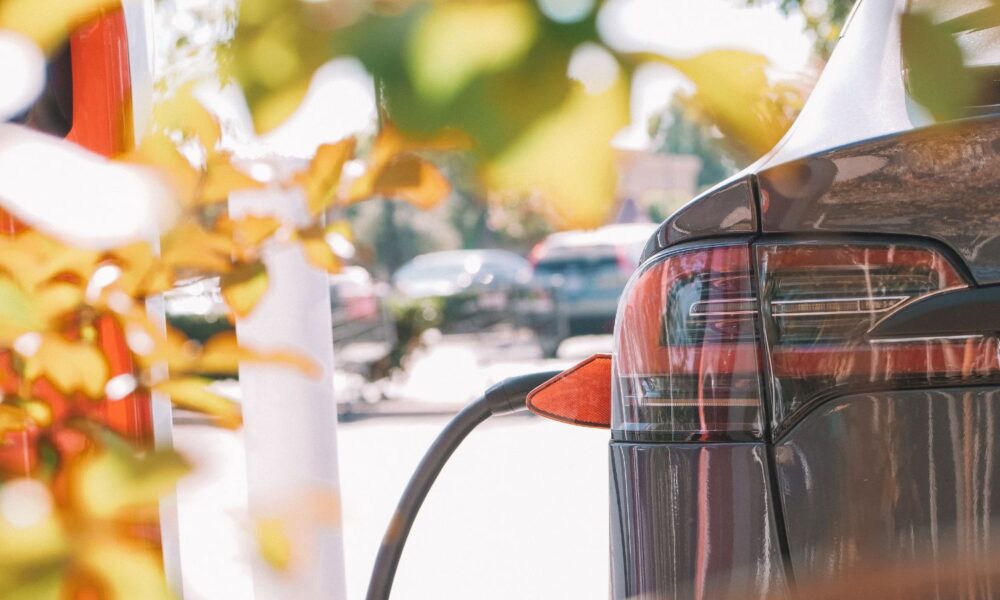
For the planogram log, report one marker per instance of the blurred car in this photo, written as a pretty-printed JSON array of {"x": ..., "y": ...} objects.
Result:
[
  {"x": 363, "y": 329},
  {"x": 477, "y": 287},
  {"x": 584, "y": 273}
]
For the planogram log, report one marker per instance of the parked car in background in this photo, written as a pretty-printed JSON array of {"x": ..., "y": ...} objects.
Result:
[
  {"x": 363, "y": 329},
  {"x": 583, "y": 273},
  {"x": 472, "y": 288}
]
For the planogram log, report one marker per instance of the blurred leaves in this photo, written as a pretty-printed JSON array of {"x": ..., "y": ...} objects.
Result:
[
  {"x": 222, "y": 354},
  {"x": 192, "y": 393},
  {"x": 321, "y": 179},
  {"x": 734, "y": 94},
  {"x": 494, "y": 73},
  {"x": 119, "y": 480},
  {"x": 396, "y": 169},
  {"x": 317, "y": 250},
  {"x": 274, "y": 543},
  {"x": 936, "y": 72},
  {"x": 244, "y": 286},
  {"x": 72, "y": 366},
  {"x": 457, "y": 41},
  {"x": 48, "y": 22},
  {"x": 71, "y": 542},
  {"x": 569, "y": 164}
]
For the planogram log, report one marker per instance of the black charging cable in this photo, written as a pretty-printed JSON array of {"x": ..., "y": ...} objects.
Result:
[{"x": 506, "y": 397}]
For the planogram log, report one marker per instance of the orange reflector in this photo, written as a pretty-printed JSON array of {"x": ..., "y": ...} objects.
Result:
[{"x": 580, "y": 395}]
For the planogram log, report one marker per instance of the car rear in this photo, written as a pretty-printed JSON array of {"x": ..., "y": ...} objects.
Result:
[{"x": 807, "y": 377}]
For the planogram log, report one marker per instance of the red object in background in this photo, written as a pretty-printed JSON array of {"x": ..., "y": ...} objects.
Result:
[
  {"x": 102, "y": 123},
  {"x": 102, "y": 86}
]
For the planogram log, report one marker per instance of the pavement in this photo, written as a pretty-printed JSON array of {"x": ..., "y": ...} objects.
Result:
[{"x": 520, "y": 511}]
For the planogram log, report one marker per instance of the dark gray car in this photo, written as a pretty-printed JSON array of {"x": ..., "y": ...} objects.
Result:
[{"x": 806, "y": 376}]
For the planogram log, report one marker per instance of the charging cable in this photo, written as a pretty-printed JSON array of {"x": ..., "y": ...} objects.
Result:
[{"x": 506, "y": 397}]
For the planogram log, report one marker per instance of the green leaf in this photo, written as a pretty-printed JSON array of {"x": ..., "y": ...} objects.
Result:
[
  {"x": 567, "y": 157},
  {"x": 17, "y": 314},
  {"x": 122, "y": 478},
  {"x": 456, "y": 41},
  {"x": 937, "y": 76}
]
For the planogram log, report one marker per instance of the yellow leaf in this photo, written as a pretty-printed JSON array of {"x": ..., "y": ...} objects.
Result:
[
  {"x": 341, "y": 228},
  {"x": 249, "y": 233},
  {"x": 157, "y": 150},
  {"x": 277, "y": 106},
  {"x": 49, "y": 22},
  {"x": 35, "y": 549},
  {"x": 136, "y": 261},
  {"x": 243, "y": 287},
  {"x": 390, "y": 142},
  {"x": 457, "y": 41},
  {"x": 223, "y": 178},
  {"x": 12, "y": 419},
  {"x": 732, "y": 87},
  {"x": 21, "y": 312},
  {"x": 192, "y": 393},
  {"x": 321, "y": 179},
  {"x": 126, "y": 569},
  {"x": 566, "y": 158},
  {"x": 33, "y": 258},
  {"x": 222, "y": 354},
  {"x": 413, "y": 179},
  {"x": 274, "y": 544},
  {"x": 70, "y": 366},
  {"x": 182, "y": 112},
  {"x": 193, "y": 247},
  {"x": 121, "y": 478},
  {"x": 317, "y": 250}
]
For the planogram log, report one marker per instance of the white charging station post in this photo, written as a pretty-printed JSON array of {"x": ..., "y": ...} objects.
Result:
[{"x": 290, "y": 418}]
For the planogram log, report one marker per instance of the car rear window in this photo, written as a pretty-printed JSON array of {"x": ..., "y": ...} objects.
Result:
[{"x": 578, "y": 264}]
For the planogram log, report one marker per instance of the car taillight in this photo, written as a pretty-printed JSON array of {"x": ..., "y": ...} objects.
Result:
[
  {"x": 686, "y": 349},
  {"x": 699, "y": 327},
  {"x": 819, "y": 302}
]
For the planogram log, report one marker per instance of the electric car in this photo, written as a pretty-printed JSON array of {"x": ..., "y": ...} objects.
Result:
[
  {"x": 805, "y": 386},
  {"x": 806, "y": 379}
]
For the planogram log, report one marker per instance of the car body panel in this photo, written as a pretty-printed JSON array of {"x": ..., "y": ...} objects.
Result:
[
  {"x": 693, "y": 521},
  {"x": 924, "y": 183},
  {"x": 869, "y": 480},
  {"x": 727, "y": 209},
  {"x": 856, "y": 479}
]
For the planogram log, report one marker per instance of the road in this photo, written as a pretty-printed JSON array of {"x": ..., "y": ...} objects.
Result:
[{"x": 520, "y": 511}]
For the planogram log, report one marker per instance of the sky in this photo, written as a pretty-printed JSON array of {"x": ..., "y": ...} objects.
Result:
[
  {"x": 674, "y": 27},
  {"x": 685, "y": 28}
]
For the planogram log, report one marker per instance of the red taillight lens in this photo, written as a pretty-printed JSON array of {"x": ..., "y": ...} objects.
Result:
[
  {"x": 694, "y": 325},
  {"x": 820, "y": 300},
  {"x": 686, "y": 356}
]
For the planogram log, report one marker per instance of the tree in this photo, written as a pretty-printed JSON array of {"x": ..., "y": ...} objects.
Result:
[{"x": 823, "y": 19}]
